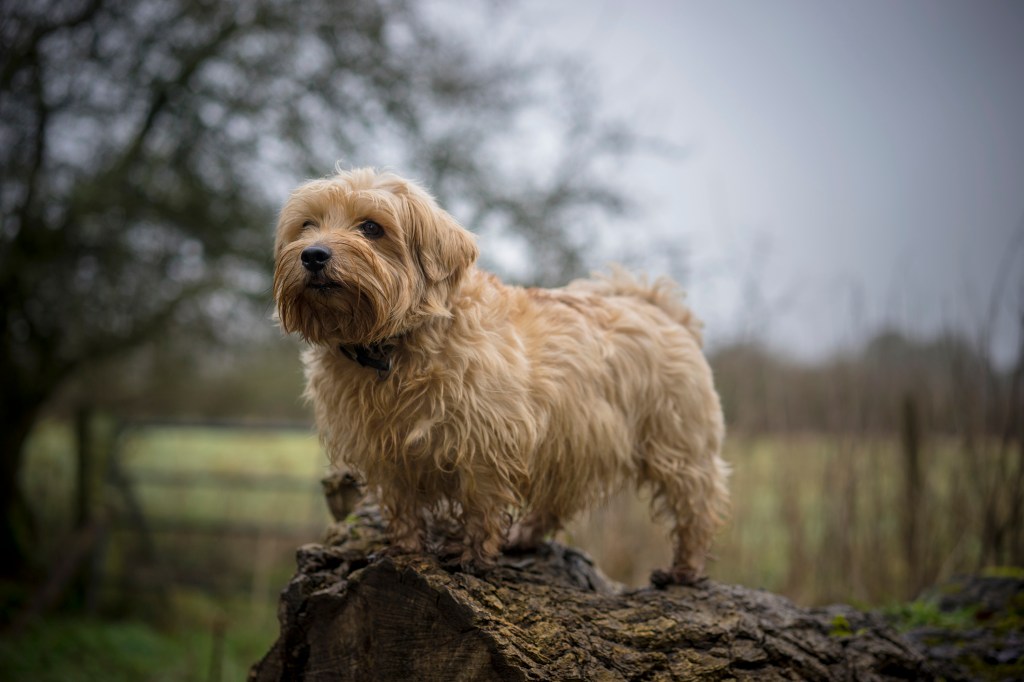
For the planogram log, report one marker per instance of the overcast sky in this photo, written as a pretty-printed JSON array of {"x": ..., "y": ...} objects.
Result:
[{"x": 851, "y": 163}]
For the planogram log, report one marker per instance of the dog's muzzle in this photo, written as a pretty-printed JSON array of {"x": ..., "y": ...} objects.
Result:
[{"x": 314, "y": 258}]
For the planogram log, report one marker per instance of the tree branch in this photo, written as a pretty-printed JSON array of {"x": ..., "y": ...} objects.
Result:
[
  {"x": 164, "y": 90},
  {"x": 18, "y": 53}
]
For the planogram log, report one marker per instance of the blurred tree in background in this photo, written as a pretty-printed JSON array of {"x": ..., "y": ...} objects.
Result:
[{"x": 146, "y": 144}]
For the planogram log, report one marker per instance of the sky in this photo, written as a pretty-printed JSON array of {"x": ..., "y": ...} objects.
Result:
[{"x": 850, "y": 165}]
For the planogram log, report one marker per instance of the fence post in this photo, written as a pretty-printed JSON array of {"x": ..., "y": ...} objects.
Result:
[
  {"x": 911, "y": 438},
  {"x": 85, "y": 474},
  {"x": 217, "y": 631},
  {"x": 84, "y": 500}
]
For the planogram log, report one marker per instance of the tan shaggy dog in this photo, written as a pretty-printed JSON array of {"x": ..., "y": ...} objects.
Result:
[{"x": 453, "y": 394}]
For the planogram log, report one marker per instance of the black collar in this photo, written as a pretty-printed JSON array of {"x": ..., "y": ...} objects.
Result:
[{"x": 377, "y": 356}]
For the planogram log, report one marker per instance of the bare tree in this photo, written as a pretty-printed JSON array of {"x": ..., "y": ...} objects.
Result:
[{"x": 142, "y": 141}]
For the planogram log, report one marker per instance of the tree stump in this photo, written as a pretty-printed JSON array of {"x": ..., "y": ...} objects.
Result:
[{"x": 354, "y": 612}]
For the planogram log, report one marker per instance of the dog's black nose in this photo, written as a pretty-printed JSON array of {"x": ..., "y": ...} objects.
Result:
[{"x": 314, "y": 258}]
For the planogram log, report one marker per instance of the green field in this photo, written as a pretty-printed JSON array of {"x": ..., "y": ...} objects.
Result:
[
  {"x": 161, "y": 613},
  {"x": 798, "y": 501},
  {"x": 185, "y": 475},
  {"x": 816, "y": 517}
]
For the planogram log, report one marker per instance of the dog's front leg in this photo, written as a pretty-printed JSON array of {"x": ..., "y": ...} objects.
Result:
[
  {"x": 529, "y": 533},
  {"x": 406, "y": 525},
  {"x": 483, "y": 523}
]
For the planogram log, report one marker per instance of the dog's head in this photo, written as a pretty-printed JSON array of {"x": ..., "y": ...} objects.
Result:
[{"x": 364, "y": 256}]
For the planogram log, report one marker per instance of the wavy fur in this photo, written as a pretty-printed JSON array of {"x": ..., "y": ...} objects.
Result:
[{"x": 503, "y": 403}]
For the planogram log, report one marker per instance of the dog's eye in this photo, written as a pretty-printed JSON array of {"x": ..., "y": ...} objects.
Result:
[
  {"x": 308, "y": 224},
  {"x": 371, "y": 230}
]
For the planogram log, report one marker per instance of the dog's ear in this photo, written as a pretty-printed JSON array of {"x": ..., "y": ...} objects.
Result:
[{"x": 444, "y": 248}]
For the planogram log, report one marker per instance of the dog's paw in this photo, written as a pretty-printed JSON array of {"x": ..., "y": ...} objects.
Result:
[
  {"x": 469, "y": 565},
  {"x": 686, "y": 577},
  {"x": 474, "y": 568},
  {"x": 395, "y": 551},
  {"x": 522, "y": 546},
  {"x": 449, "y": 551}
]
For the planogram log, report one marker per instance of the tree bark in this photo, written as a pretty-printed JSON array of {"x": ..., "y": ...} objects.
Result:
[
  {"x": 353, "y": 611},
  {"x": 16, "y": 524}
]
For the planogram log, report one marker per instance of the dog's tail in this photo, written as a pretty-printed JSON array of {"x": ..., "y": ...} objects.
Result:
[{"x": 663, "y": 293}]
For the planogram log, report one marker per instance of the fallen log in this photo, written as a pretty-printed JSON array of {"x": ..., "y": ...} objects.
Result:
[{"x": 354, "y": 612}]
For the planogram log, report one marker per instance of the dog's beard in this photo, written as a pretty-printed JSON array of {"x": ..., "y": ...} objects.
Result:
[{"x": 334, "y": 308}]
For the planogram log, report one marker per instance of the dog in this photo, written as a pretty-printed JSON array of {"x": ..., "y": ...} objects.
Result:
[{"x": 507, "y": 409}]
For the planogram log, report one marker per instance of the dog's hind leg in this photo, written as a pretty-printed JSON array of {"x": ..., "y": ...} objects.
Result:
[{"x": 689, "y": 483}]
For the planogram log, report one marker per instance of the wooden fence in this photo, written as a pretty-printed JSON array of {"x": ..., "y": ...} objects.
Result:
[{"x": 123, "y": 547}]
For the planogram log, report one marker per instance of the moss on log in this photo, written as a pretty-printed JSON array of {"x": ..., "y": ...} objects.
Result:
[{"x": 352, "y": 612}]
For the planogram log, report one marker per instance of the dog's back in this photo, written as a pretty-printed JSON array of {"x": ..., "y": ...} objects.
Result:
[
  {"x": 662, "y": 293},
  {"x": 625, "y": 392}
]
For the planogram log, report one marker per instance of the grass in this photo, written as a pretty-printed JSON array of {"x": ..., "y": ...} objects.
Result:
[
  {"x": 80, "y": 649},
  {"x": 160, "y": 613},
  {"x": 815, "y": 517},
  {"x": 206, "y": 454},
  {"x": 69, "y": 648},
  {"x": 228, "y": 451},
  {"x": 926, "y": 613}
]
